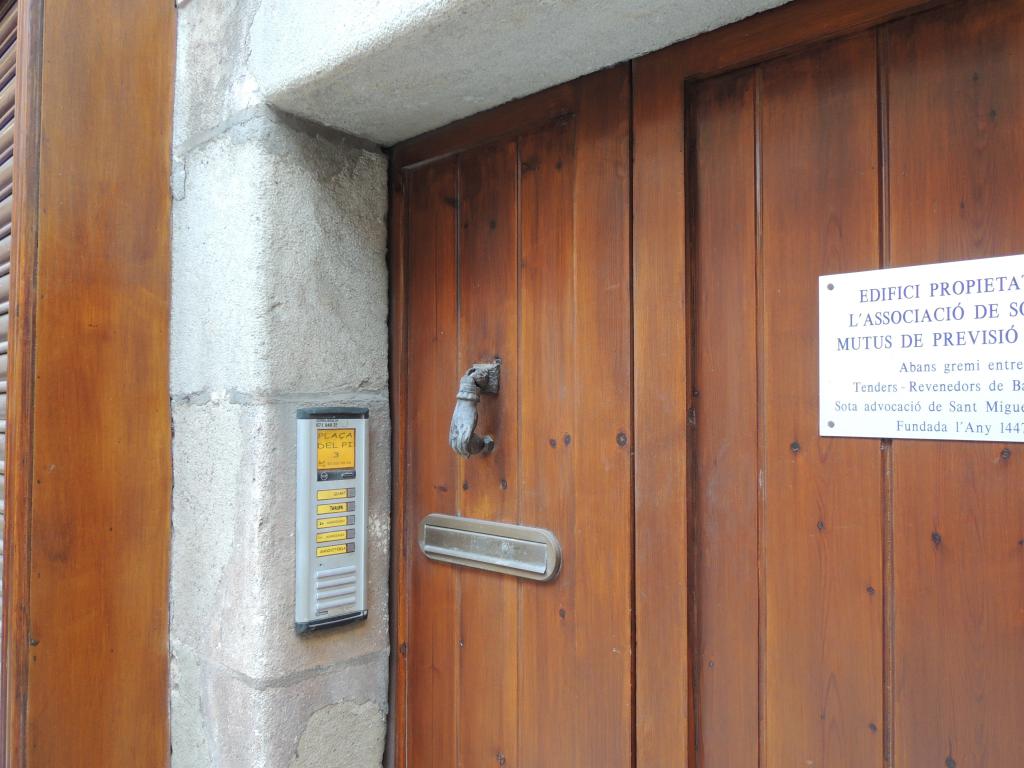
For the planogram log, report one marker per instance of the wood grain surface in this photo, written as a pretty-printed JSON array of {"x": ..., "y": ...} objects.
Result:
[
  {"x": 90, "y": 508},
  {"x": 822, "y": 497},
  {"x": 662, "y": 444},
  {"x": 789, "y": 599},
  {"x": 432, "y": 473},
  {"x": 518, "y": 248},
  {"x": 724, "y": 548},
  {"x": 489, "y": 330},
  {"x": 956, "y": 83}
]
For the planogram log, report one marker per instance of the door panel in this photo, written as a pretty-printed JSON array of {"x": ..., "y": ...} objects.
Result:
[
  {"x": 600, "y": 439},
  {"x": 787, "y": 544},
  {"x": 956, "y": 142},
  {"x": 860, "y": 600},
  {"x": 432, "y": 473},
  {"x": 724, "y": 554},
  {"x": 517, "y": 248},
  {"x": 822, "y": 517},
  {"x": 488, "y": 328},
  {"x": 549, "y": 378}
]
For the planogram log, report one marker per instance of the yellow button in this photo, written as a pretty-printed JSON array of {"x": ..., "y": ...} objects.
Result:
[
  {"x": 332, "y": 536},
  {"x": 331, "y": 522},
  {"x": 332, "y": 509},
  {"x": 336, "y": 493},
  {"x": 335, "y": 549}
]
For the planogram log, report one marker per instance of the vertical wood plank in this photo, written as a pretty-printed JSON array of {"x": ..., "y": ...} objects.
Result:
[
  {"x": 548, "y": 670},
  {"x": 98, "y": 519},
  {"x": 956, "y": 80},
  {"x": 661, "y": 357},
  {"x": 725, "y": 536},
  {"x": 600, "y": 442},
  {"x": 488, "y": 329},
  {"x": 822, "y": 498},
  {"x": 431, "y": 473}
]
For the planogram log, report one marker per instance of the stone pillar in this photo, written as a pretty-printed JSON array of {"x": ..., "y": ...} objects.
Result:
[{"x": 279, "y": 300}]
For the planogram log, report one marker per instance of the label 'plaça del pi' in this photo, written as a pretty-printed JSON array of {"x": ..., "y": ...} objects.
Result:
[{"x": 932, "y": 352}]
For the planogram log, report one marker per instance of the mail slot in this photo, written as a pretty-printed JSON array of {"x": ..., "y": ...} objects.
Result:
[{"x": 517, "y": 550}]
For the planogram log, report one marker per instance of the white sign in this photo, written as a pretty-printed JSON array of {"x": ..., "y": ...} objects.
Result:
[{"x": 927, "y": 353}]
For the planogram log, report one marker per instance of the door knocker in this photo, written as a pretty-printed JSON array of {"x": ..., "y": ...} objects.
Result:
[{"x": 481, "y": 378}]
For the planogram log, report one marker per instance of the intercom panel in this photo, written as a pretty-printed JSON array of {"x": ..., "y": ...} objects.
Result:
[{"x": 330, "y": 516}]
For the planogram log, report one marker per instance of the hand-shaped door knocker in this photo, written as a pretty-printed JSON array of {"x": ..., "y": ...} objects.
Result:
[{"x": 481, "y": 378}]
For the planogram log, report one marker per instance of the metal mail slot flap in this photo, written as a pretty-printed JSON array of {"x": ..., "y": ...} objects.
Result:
[{"x": 518, "y": 550}]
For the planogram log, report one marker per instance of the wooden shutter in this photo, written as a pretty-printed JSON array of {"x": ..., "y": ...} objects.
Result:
[{"x": 8, "y": 31}]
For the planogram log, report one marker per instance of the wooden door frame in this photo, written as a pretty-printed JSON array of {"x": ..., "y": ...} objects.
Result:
[
  {"x": 94, "y": 521},
  {"x": 662, "y": 348}
]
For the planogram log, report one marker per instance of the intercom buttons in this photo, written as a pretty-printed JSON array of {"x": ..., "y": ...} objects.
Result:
[
  {"x": 332, "y": 536},
  {"x": 333, "y": 509},
  {"x": 335, "y": 493},
  {"x": 335, "y": 549}
]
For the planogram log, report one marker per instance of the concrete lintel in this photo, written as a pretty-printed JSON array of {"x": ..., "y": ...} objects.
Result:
[{"x": 392, "y": 69}]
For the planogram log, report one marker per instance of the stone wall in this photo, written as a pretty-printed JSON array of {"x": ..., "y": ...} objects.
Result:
[
  {"x": 391, "y": 69},
  {"x": 279, "y": 301}
]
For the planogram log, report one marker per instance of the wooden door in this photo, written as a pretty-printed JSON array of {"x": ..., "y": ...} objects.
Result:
[
  {"x": 855, "y": 602},
  {"x": 511, "y": 240},
  {"x": 788, "y": 600}
]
